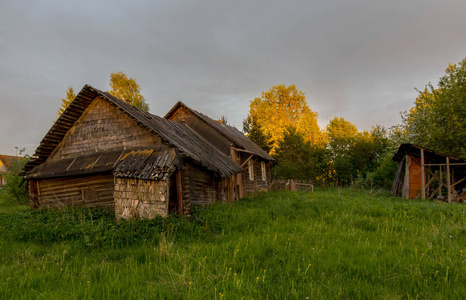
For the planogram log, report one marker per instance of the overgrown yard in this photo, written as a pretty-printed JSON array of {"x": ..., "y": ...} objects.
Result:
[{"x": 329, "y": 244}]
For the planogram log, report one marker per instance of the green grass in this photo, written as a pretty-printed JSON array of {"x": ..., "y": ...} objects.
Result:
[{"x": 336, "y": 243}]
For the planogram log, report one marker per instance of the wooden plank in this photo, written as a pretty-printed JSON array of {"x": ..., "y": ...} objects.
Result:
[
  {"x": 423, "y": 176},
  {"x": 179, "y": 192},
  {"x": 448, "y": 180}
]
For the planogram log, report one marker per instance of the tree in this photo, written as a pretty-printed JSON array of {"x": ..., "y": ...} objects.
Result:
[
  {"x": 353, "y": 153},
  {"x": 437, "y": 121},
  {"x": 281, "y": 107},
  {"x": 15, "y": 189},
  {"x": 297, "y": 158},
  {"x": 127, "y": 90},
  {"x": 65, "y": 102},
  {"x": 256, "y": 134}
]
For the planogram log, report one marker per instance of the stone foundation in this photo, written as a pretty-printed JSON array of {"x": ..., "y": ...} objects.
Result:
[{"x": 136, "y": 198}]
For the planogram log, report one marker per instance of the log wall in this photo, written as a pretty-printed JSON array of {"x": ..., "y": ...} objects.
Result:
[
  {"x": 258, "y": 184},
  {"x": 103, "y": 127},
  {"x": 202, "y": 185},
  {"x": 88, "y": 191},
  {"x": 141, "y": 198}
]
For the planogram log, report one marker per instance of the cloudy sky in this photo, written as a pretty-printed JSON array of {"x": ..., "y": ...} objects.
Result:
[{"x": 359, "y": 59}]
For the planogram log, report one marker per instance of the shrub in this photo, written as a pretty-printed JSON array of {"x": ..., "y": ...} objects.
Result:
[{"x": 15, "y": 188}]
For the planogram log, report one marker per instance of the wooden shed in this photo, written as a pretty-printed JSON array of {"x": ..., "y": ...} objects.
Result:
[
  {"x": 104, "y": 152},
  {"x": 231, "y": 142},
  {"x": 428, "y": 174}
]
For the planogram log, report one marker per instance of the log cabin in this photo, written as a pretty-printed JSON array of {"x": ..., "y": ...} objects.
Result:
[
  {"x": 103, "y": 152},
  {"x": 232, "y": 143},
  {"x": 428, "y": 174}
]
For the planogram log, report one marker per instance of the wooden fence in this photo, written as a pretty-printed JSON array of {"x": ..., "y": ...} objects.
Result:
[{"x": 293, "y": 185}]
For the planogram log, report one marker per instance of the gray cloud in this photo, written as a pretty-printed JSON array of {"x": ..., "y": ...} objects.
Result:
[{"x": 357, "y": 59}]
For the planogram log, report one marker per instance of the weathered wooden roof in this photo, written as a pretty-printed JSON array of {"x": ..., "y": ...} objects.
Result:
[
  {"x": 231, "y": 133},
  {"x": 156, "y": 164},
  {"x": 182, "y": 138},
  {"x": 100, "y": 162},
  {"x": 430, "y": 155}
]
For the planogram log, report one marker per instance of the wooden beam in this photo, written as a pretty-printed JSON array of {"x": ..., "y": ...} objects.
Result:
[
  {"x": 179, "y": 192},
  {"x": 448, "y": 180},
  {"x": 423, "y": 176},
  {"x": 441, "y": 183},
  {"x": 452, "y": 164},
  {"x": 247, "y": 160}
]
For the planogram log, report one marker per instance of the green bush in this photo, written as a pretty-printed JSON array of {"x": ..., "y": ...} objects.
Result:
[{"x": 15, "y": 188}]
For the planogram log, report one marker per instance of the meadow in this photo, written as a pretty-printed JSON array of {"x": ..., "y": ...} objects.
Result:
[{"x": 330, "y": 244}]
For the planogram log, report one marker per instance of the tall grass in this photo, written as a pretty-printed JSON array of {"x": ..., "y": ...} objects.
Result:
[{"x": 336, "y": 243}]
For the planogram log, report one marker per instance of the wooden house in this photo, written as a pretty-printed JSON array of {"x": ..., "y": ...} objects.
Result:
[
  {"x": 231, "y": 142},
  {"x": 5, "y": 165},
  {"x": 428, "y": 174},
  {"x": 104, "y": 152}
]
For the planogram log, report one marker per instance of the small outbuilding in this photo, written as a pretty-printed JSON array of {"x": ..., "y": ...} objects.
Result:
[
  {"x": 428, "y": 174},
  {"x": 103, "y": 152}
]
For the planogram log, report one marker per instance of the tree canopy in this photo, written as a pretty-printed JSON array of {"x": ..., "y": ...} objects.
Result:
[
  {"x": 127, "y": 89},
  {"x": 70, "y": 95},
  {"x": 281, "y": 107},
  {"x": 438, "y": 119}
]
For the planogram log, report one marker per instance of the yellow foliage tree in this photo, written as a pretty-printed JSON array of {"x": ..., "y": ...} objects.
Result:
[
  {"x": 65, "y": 102},
  {"x": 283, "y": 107},
  {"x": 127, "y": 89}
]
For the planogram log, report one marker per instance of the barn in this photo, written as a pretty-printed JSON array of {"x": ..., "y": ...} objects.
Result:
[
  {"x": 428, "y": 174},
  {"x": 231, "y": 142},
  {"x": 103, "y": 152}
]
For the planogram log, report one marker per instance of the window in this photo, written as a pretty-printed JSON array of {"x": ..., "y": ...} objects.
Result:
[
  {"x": 251, "y": 170},
  {"x": 264, "y": 174}
]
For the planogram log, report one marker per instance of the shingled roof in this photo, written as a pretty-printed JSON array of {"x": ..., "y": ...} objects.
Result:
[
  {"x": 231, "y": 133},
  {"x": 179, "y": 136}
]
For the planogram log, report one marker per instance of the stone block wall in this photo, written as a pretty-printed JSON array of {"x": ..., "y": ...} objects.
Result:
[{"x": 137, "y": 198}]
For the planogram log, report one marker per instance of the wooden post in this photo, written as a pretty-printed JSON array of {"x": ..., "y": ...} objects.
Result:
[
  {"x": 179, "y": 192},
  {"x": 423, "y": 176},
  {"x": 448, "y": 180},
  {"x": 441, "y": 182}
]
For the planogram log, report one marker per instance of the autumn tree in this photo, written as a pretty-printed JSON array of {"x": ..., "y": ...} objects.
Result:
[
  {"x": 65, "y": 102},
  {"x": 127, "y": 89},
  {"x": 281, "y": 107},
  {"x": 438, "y": 119}
]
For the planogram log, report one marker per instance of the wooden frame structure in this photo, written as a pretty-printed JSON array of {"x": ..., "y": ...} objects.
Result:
[{"x": 428, "y": 174}]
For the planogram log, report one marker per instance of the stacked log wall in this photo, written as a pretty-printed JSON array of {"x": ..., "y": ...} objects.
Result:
[
  {"x": 103, "y": 127},
  {"x": 86, "y": 191},
  {"x": 137, "y": 198},
  {"x": 202, "y": 185},
  {"x": 258, "y": 184}
]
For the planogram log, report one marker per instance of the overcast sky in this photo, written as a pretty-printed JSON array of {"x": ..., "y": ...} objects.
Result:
[{"x": 359, "y": 59}]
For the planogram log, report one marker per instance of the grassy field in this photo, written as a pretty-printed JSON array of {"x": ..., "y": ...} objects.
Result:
[{"x": 337, "y": 243}]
